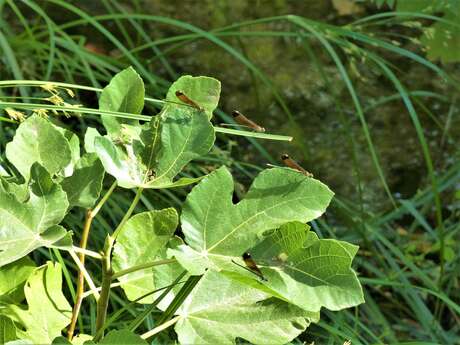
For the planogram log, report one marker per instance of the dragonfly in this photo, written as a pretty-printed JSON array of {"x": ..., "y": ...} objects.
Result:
[
  {"x": 251, "y": 266},
  {"x": 289, "y": 162},
  {"x": 184, "y": 98},
  {"x": 243, "y": 120}
]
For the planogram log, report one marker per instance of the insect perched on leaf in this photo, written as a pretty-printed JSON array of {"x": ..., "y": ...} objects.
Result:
[
  {"x": 289, "y": 162},
  {"x": 184, "y": 98},
  {"x": 243, "y": 120},
  {"x": 251, "y": 266}
]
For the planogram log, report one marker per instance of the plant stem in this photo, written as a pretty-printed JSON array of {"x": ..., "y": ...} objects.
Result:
[
  {"x": 141, "y": 267},
  {"x": 128, "y": 213},
  {"x": 90, "y": 214},
  {"x": 107, "y": 273},
  {"x": 161, "y": 327}
]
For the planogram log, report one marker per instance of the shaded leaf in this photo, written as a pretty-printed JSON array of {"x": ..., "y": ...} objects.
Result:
[
  {"x": 7, "y": 330},
  {"x": 219, "y": 310},
  {"x": 25, "y": 226},
  {"x": 122, "y": 337},
  {"x": 48, "y": 311},
  {"x": 84, "y": 186},
  {"x": 140, "y": 241},
  {"x": 38, "y": 140},
  {"x": 125, "y": 93},
  {"x": 12, "y": 279}
]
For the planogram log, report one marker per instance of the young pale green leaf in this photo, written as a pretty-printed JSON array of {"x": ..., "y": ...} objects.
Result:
[
  {"x": 153, "y": 158},
  {"x": 25, "y": 226},
  {"x": 219, "y": 310},
  {"x": 7, "y": 330},
  {"x": 306, "y": 271},
  {"x": 204, "y": 91},
  {"x": 125, "y": 93},
  {"x": 48, "y": 311},
  {"x": 217, "y": 230},
  {"x": 12, "y": 279},
  {"x": 84, "y": 186},
  {"x": 140, "y": 241},
  {"x": 38, "y": 140}
]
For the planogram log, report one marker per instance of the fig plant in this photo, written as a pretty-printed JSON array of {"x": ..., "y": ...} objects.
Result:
[{"x": 190, "y": 267}]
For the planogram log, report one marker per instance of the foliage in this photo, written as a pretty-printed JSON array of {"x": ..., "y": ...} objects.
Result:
[{"x": 216, "y": 232}]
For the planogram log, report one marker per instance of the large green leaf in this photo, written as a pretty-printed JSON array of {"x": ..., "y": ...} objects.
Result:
[
  {"x": 219, "y": 310},
  {"x": 12, "y": 279},
  {"x": 152, "y": 158},
  {"x": 84, "y": 186},
  {"x": 140, "y": 241},
  {"x": 38, "y": 140},
  {"x": 204, "y": 91},
  {"x": 48, "y": 311},
  {"x": 304, "y": 270},
  {"x": 125, "y": 93},
  {"x": 217, "y": 231},
  {"x": 25, "y": 226}
]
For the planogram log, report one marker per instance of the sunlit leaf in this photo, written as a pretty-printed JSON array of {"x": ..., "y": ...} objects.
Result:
[
  {"x": 204, "y": 91},
  {"x": 25, "y": 226},
  {"x": 140, "y": 241},
  {"x": 217, "y": 230},
  {"x": 156, "y": 155},
  {"x": 38, "y": 140},
  {"x": 219, "y": 310},
  {"x": 47, "y": 312},
  {"x": 125, "y": 93},
  {"x": 306, "y": 271}
]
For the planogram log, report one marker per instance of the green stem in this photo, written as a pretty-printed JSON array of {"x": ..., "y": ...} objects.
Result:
[
  {"x": 142, "y": 266},
  {"x": 128, "y": 213},
  {"x": 107, "y": 270},
  {"x": 107, "y": 273}
]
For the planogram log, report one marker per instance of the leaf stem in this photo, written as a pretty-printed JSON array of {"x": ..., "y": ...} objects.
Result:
[
  {"x": 90, "y": 214},
  {"x": 141, "y": 267},
  {"x": 128, "y": 213},
  {"x": 107, "y": 270},
  {"x": 107, "y": 273},
  {"x": 161, "y": 327},
  {"x": 88, "y": 252}
]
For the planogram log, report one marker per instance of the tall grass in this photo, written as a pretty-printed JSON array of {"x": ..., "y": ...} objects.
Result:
[{"x": 408, "y": 297}]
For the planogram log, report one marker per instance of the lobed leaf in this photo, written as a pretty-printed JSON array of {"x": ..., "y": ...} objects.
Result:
[
  {"x": 217, "y": 230},
  {"x": 12, "y": 279},
  {"x": 25, "y": 226},
  {"x": 48, "y": 311},
  {"x": 38, "y": 140},
  {"x": 153, "y": 156},
  {"x": 219, "y": 310},
  {"x": 140, "y": 242}
]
